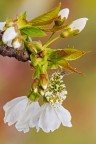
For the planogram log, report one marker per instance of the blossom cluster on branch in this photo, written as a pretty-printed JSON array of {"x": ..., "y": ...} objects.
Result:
[{"x": 16, "y": 41}]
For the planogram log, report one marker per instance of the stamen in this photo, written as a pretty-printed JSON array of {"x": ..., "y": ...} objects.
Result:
[{"x": 56, "y": 92}]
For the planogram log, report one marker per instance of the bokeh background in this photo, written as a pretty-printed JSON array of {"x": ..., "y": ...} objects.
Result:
[{"x": 15, "y": 77}]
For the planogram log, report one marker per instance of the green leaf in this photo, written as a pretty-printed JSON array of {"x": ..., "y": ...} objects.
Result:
[
  {"x": 59, "y": 58},
  {"x": 24, "y": 15},
  {"x": 68, "y": 54},
  {"x": 52, "y": 65},
  {"x": 22, "y": 22},
  {"x": 66, "y": 65},
  {"x": 33, "y": 31},
  {"x": 63, "y": 64},
  {"x": 46, "y": 18}
]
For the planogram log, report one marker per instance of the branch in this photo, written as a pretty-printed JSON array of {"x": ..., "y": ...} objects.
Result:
[{"x": 20, "y": 55}]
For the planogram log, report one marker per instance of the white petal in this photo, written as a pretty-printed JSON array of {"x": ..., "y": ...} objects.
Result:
[
  {"x": 47, "y": 119},
  {"x": 24, "y": 123},
  {"x": 9, "y": 43},
  {"x": 64, "y": 116},
  {"x": 2, "y": 24},
  {"x": 78, "y": 24},
  {"x": 24, "y": 130},
  {"x": 64, "y": 13},
  {"x": 14, "y": 112},
  {"x": 13, "y": 102},
  {"x": 16, "y": 44},
  {"x": 9, "y": 34},
  {"x": 35, "y": 119}
]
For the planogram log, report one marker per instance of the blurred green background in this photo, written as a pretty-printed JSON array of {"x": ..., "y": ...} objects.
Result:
[{"x": 15, "y": 77}]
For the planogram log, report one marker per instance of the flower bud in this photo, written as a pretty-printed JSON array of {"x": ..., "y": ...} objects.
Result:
[
  {"x": 43, "y": 81},
  {"x": 65, "y": 34},
  {"x": 35, "y": 85},
  {"x": 74, "y": 28},
  {"x": 78, "y": 24},
  {"x": 64, "y": 13},
  {"x": 62, "y": 16},
  {"x": 34, "y": 47}
]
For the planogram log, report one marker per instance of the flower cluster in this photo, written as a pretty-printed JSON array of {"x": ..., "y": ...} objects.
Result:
[
  {"x": 25, "y": 111},
  {"x": 11, "y": 35},
  {"x": 28, "y": 114},
  {"x": 52, "y": 113}
]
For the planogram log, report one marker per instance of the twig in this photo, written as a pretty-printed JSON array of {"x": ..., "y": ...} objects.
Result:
[{"x": 20, "y": 55}]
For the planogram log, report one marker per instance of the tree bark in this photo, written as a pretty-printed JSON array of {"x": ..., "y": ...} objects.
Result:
[{"x": 20, "y": 55}]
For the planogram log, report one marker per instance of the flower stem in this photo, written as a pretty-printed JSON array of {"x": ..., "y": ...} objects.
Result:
[
  {"x": 50, "y": 42},
  {"x": 50, "y": 37}
]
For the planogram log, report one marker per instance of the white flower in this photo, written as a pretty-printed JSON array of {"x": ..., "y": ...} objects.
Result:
[
  {"x": 64, "y": 13},
  {"x": 17, "y": 44},
  {"x": 49, "y": 118},
  {"x": 20, "y": 110},
  {"x": 51, "y": 114},
  {"x": 2, "y": 24},
  {"x": 9, "y": 35},
  {"x": 78, "y": 24}
]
